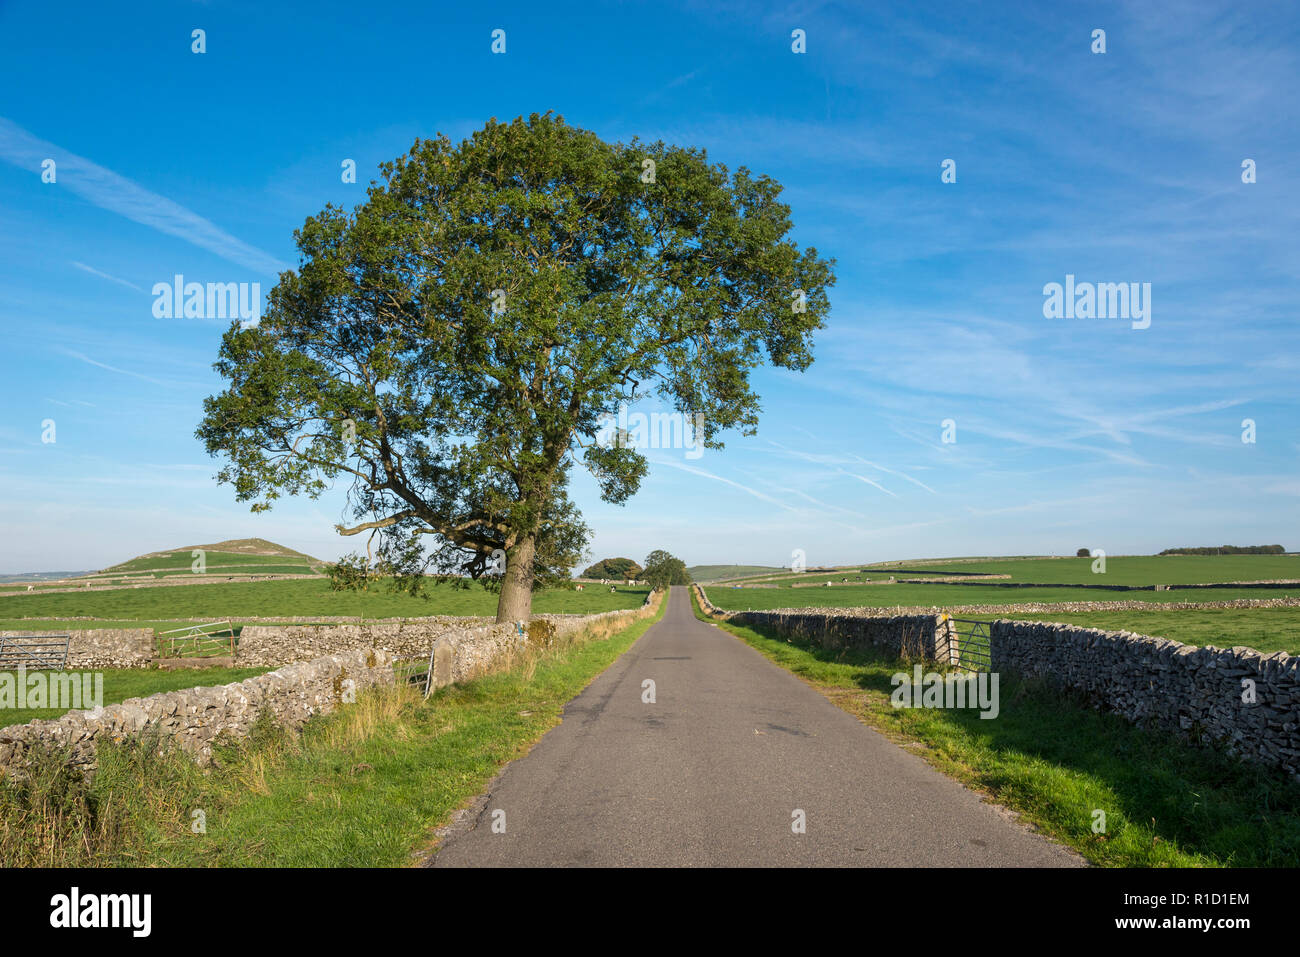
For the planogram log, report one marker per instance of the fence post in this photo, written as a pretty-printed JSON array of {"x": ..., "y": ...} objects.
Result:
[
  {"x": 442, "y": 657},
  {"x": 946, "y": 647}
]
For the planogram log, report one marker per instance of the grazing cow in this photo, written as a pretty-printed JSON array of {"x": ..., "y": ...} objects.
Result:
[
  {"x": 30, "y": 588},
  {"x": 580, "y": 587}
]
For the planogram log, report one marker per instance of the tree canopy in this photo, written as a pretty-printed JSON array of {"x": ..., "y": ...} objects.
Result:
[
  {"x": 623, "y": 568},
  {"x": 451, "y": 347},
  {"x": 663, "y": 569}
]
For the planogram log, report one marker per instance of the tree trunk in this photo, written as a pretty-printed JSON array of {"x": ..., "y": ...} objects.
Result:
[{"x": 516, "y": 600}]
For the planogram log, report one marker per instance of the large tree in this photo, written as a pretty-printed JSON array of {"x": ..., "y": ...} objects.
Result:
[
  {"x": 663, "y": 569},
  {"x": 456, "y": 343}
]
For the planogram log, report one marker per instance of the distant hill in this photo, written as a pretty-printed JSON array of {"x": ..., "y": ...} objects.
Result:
[
  {"x": 714, "y": 573},
  {"x": 247, "y": 555},
  {"x": 22, "y": 577},
  {"x": 243, "y": 546}
]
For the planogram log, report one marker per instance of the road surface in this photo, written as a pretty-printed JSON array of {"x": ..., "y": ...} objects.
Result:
[{"x": 716, "y": 772}]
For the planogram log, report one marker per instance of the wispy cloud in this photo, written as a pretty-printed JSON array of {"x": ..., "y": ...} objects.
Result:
[
  {"x": 820, "y": 504},
  {"x": 902, "y": 475},
  {"x": 108, "y": 190},
  {"x": 726, "y": 481},
  {"x": 838, "y": 461},
  {"x": 103, "y": 275},
  {"x": 82, "y": 357},
  {"x": 872, "y": 482},
  {"x": 71, "y": 403}
]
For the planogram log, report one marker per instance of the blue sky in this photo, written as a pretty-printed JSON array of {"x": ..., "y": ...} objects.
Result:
[{"x": 1115, "y": 167}]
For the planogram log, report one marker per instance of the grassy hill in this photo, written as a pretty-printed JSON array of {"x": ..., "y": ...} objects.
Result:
[
  {"x": 235, "y": 551},
  {"x": 238, "y": 556},
  {"x": 714, "y": 573}
]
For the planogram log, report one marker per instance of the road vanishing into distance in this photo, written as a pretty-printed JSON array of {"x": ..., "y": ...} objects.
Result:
[{"x": 716, "y": 771}]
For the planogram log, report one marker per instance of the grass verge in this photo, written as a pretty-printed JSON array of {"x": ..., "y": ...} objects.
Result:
[
  {"x": 366, "y": 786},
  {"x": 1056, "y": 762}
]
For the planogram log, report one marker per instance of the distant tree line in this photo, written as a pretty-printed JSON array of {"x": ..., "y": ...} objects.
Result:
[
  {"x": 661, "y": 570},
  {"x": 1228, "y": 550}
]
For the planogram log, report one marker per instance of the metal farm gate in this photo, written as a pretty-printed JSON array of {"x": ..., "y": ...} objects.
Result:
[
  {"x": 198, "y": 641},
  {"x": 968, "y": 644},
  {"x": 46, "y": 652}
]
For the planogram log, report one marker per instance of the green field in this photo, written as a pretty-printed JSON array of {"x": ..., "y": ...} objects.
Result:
[
  {"x": 713, "y": 573},
  {"x": 301, "y": 598},
  {"x": 44, "y": 625},
  {"x": 244, "y": 568},
  {"x": 123, "y": 683},
  {"x": 1264, "y": 629},
  {"x": 946, "y": 596},
  {"x": 1120, "y": 570},
  {"x": 184, "y": 561}
]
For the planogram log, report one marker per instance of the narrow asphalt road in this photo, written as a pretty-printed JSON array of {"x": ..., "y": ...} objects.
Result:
[{"x": 714, "y": 772}]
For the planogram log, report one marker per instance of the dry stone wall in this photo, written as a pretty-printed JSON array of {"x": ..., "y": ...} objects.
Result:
[
  {"x": 477, "y": 644},
  {"x": 197, "y": 718},
  {"x": 460, "y": 654},
  {"x": 103, "y": 647},
  {"x": 913, "y": 636},
  {"x": 270, "y": 645},
  {"x": 1201, "y": 693}
]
